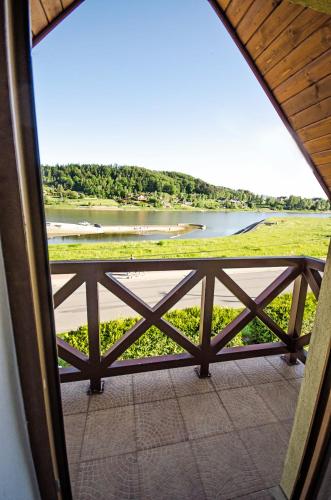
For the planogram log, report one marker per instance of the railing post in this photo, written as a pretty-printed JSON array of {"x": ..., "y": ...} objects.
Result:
[
  {"x": 92, "y": 306},
  {"x": 296, "y": 315},
  {"x": 206, "y": 316}
]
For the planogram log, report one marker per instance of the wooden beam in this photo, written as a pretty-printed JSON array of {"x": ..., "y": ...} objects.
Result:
[{"x": 300, "y": 445}]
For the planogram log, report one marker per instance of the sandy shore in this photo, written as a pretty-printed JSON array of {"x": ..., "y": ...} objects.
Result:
[{"x": 65, "y": 229}]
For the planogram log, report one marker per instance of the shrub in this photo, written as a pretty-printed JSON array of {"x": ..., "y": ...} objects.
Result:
[{"x": 155, "y": 343}]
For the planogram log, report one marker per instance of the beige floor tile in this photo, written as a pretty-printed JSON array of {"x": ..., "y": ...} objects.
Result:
[
  {"x": 227, "y": 376},
  {"x": 73, "y": 472},
  {"x": 288, "y": 426},
  {"x": 109, "y": 432},
  {"x": 118, "y": 391},
  {"x": 287, "y": 371},
  {"x": 170, "y": 472},
  {"x": 257, "y": 495},
  {"x": 74, "y": 426},
  {"x": 281, "y": 397},
  {"x": 204, "y": 415},
  {"x": 259, "y": 370},
  {"x": 187, "y": 382},
  {"x": 113, "y": 478},
  {"x": 74, "y": 397},
  {"x": 246, "y": 408},
  {"x": 226, "y": 469},
  {"x": 159, "y": 423},
  {"x": 152, "y": 386},
  {"x": 296, "y": 383},
  {"x": 267, "y": 445}
]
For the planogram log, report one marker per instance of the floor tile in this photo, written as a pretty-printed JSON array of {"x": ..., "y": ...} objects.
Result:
[
  {"x": 152, "y": 386},
  {"x": 287, "y": 371},
  {"x": 246, "y": 408},
  {"x": 109, "y": 432},
  {"x": 170, "y": 472},
  {"x": 74, "y": 426},
  {"x": 108, "y": 478},
  {"x": 227, "y": 375},
  {"x": 259, "y": 370},
  {"x": 74, "y": 397},
  {"x": 281, "y": 397},
  {"x": 159, "y": 423},
  {"x": 187, "y": 382},
  {"x": 257, "y": 495},
  {"x": 118, "y": 391},
  {"x": 296, "y": 383},
  {"x": 226, "y": 469},
  {"x": 73, "y": 473},
  {"x": 267, "y": 445},
  {"x": 288, "y": 426},
  {"x": 204, "y": 415}
]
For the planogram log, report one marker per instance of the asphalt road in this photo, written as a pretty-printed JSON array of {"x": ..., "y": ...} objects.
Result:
[{"x": 152, "y": 287}]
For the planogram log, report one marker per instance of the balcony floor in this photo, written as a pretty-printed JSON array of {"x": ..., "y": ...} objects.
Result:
[{"x": 170, "y": 435}]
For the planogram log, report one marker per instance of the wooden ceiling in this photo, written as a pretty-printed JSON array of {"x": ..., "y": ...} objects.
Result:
[{"x": 287, "y": 46}]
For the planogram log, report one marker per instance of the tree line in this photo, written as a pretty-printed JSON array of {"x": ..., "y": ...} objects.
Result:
[{"x": 126, "y": 184}]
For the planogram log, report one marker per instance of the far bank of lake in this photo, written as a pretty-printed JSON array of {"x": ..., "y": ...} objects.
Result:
[{"x": 218, "y": 223}]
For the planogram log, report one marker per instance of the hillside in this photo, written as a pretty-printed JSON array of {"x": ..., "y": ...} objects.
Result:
[{"x": 137, "y": 185}]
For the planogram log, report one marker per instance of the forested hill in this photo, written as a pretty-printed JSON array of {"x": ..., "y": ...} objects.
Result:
[{"x": 127, "y": 184}]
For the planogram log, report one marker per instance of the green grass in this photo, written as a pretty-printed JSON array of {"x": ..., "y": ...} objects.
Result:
[
  {"x": 51, "y": 202},
  {"x": 277, "y": 236}
]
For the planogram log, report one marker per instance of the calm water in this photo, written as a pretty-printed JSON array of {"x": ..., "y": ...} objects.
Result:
[{"x": 218, "y": 223}]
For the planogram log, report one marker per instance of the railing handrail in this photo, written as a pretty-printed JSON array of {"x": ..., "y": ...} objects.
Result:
[
  {"x": 127, "y": 265},
  {"x": 303, "y": 271}
]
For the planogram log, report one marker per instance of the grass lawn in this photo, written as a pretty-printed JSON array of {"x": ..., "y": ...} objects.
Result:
[{"x": 289, "y": 236}]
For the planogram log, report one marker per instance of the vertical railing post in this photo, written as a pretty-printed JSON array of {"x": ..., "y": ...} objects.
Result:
[
  {"x": 296, "y": 315},
  {"x": 92, "y": 305},
  {"x": 206, "y": 316}
]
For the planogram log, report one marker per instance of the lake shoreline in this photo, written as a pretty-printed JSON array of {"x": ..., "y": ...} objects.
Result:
[
  {"x": 56, "y": 229},
  {"x": 105, "y": 208},
  {"x": 287, "y": 236}
]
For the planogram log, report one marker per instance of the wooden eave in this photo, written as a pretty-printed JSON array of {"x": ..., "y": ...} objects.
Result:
[
  {"x": 46, "y": 14},
  {"x": 287, "y": 46}
]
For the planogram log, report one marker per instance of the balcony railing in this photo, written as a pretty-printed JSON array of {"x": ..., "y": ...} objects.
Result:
[{"x": 303, "y": 271}]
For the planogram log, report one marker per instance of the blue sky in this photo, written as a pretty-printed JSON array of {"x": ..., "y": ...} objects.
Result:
[{"x": 161, "y": 85}]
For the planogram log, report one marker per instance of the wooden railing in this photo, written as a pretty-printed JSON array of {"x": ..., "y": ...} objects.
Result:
[{"x": 303, "y": 271}]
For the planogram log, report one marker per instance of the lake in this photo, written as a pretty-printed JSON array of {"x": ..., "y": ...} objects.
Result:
[{"x": 217, "y": 223}]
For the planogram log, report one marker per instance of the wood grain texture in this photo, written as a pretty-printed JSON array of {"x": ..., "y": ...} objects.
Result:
[
  {"x": 223, "y": 3},
  {"x": 312, "y": 47},
  {"x": 67, "y": 3},
  {"x": 311, "y": 73},
  {"x": 319, "y": 144},
  {"x": 237, "y": 9},
  {"x": 254, "y": 17},
  {"x": 312, "y": 114},
  {"x": 317, "y": 129},
  {"x": 303, "y": 25},
  {"x": 325, "y": 169},
  {"x": 308, "y": 97},
  {"x": 52, "y": 8},
  {"x": 273, "y": 26},
  {"x": 323, "y": 158},
  {"x": 39, "y": 20}
]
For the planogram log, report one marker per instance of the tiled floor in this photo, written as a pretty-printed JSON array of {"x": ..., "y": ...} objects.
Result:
[{"x": 168, "y": 435}]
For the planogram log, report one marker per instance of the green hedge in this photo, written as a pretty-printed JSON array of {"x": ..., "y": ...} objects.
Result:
[{"x": 155, "y": 343}]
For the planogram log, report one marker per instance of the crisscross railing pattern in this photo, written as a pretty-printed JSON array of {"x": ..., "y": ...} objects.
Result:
[{"x": 302, "y": 271}]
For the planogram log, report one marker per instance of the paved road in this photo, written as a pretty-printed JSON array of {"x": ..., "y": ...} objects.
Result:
[{"x": 151, "y": 287}]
